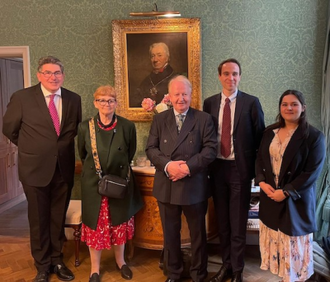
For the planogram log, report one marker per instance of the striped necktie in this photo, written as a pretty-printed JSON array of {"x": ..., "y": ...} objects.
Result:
[{"x": 180, "y": 121}]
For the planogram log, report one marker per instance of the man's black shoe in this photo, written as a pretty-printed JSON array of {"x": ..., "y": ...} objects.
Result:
[
  {"x": 222, "y": 274},
  {"x": 63, "y": 273},
  {"x": 42, "y": 276},
  {"x": 237, "y": 277}
]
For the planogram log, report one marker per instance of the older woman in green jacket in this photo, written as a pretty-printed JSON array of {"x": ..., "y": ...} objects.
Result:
[{"x": 107, "y": 222}]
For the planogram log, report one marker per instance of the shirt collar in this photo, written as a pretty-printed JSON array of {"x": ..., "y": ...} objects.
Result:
[
  {"x": 231, "y": 97},
  {"x": 48, "y": 93},
  {"x": 177, "y": 113}
]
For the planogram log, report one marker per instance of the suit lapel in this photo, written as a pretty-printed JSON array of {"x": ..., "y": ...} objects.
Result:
[
  {"x": 65, "y": 106},
  {"x": 40, "y": 98},
  {"x": 238, "y": 108},
  {"x": 170, "y": 123},
  {"x": 291, "y": 150},
  {"x": 187, "y": 126},
  {"x": 215, "y": 110}
]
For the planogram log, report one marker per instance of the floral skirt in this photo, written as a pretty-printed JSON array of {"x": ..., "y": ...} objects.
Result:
[
  {"x": 290, "y": 257},
  {"x": 105, "y": 234}
]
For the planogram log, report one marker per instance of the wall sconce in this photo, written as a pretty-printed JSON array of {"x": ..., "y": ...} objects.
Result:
[{"x": 156, "y": 13}]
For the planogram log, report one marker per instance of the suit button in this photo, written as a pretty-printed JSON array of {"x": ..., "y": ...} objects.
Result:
[
  {"x": 121, "y": 166},
  {"x": 289, "y": 173}
]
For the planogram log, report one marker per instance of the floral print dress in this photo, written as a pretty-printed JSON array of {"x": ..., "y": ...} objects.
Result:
[
  {"x": 105, "y": 234},
  {"x": 290, "y": 257}
]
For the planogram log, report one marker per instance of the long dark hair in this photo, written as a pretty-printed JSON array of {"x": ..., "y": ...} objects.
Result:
[{"x": 280, "y": 122}]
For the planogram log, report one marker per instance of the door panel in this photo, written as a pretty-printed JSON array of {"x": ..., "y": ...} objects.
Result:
[{"x": 11, "y": 80}]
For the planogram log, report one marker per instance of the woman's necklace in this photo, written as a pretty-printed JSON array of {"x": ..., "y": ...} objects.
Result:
[
  {"x": 108, "y": 125},
  {"x": 282, "y": 144},
  {"x": 153, "y": 90}
]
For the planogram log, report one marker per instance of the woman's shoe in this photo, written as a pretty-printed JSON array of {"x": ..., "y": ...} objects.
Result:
[
  {"x": 125, "y": 271},
  {"x": 94, "y": 278}
]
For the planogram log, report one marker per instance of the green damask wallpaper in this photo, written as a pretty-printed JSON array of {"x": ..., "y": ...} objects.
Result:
[{"x": 279, "y": 43}]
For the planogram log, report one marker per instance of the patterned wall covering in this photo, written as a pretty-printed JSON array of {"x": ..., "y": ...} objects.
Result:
[{"x": 279, "y": 43}]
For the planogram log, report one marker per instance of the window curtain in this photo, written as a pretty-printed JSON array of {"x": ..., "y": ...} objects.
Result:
[{"x": 323, "y": 192}]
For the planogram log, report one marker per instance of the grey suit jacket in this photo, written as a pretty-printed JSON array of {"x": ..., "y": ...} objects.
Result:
[
  {"x": 27, "y": 123},
  {"x": 248, "y": 128},
  {"x": 196, "y": 144}
]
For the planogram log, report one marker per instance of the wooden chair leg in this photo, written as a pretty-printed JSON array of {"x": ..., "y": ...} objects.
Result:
[
  {"x": 129, "y": 250},
  {"x": 77, "y": 235}
]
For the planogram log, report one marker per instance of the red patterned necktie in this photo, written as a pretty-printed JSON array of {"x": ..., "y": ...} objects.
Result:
[
  {"x": 54, "y": 114},
  {"x": 225, "y": 131}
]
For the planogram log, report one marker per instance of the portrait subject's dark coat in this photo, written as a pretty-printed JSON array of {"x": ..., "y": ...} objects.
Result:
[{"x": 159, "y": 81}]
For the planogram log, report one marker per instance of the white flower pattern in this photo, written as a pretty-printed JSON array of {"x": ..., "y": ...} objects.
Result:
[{"x": 105, "y": 234}]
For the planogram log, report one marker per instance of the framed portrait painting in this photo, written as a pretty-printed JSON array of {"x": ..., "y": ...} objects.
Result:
[{"x": 147, "y": 54}]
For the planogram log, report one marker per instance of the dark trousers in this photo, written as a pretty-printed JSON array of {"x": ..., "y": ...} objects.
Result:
[
  {"x": 171, "y": 222},
  {"x": 47, "y": 208},
  {"x": 231, "y": 200}
]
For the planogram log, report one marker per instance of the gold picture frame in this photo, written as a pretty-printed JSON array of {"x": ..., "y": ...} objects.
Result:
[{"x": 131, "y": 42}]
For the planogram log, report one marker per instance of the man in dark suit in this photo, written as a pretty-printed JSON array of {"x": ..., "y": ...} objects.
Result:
[
  {"x": 233, "y": 169},
  {"x": 181, "y": 145},
  {"x": 42, "y": 121}
]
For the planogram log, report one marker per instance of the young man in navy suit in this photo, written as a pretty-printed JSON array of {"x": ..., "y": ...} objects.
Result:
[
  {"x": 46, "y": 160},
  {"x": 233, "y": 169}
]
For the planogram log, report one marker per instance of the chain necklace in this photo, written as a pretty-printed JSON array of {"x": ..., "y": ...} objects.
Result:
[
  {"x": 278, "y": 157},
  {"x": 153, "y": 91}
]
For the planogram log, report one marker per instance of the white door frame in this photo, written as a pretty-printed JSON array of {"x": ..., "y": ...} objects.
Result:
[{"x": 19, "y": 52}]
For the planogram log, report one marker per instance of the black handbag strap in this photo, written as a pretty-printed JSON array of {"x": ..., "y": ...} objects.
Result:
[{"x": 94, "y": 150}]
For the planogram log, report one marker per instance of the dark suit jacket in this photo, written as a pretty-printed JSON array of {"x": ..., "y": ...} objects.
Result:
[
  {"x": 248, "y": 128},
  {"x": 27, "y": 123},
  {"x": 196, "y": 144},
  {"x": 301, "y": 165}
]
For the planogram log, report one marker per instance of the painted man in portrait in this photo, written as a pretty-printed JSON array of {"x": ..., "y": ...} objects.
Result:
[{"x": 154, "y": 86}]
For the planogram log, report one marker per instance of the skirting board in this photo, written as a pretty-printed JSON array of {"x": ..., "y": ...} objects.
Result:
[{"x": 11, "y": 203}]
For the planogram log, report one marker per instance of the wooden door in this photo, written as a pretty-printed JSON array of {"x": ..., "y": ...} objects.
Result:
[{"x": 11, "y": 80}]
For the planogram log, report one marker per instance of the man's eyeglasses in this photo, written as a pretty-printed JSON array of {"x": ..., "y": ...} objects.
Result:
[
  {"x": 105, "y": 102},
  {"x": 48, "y": 74}
]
